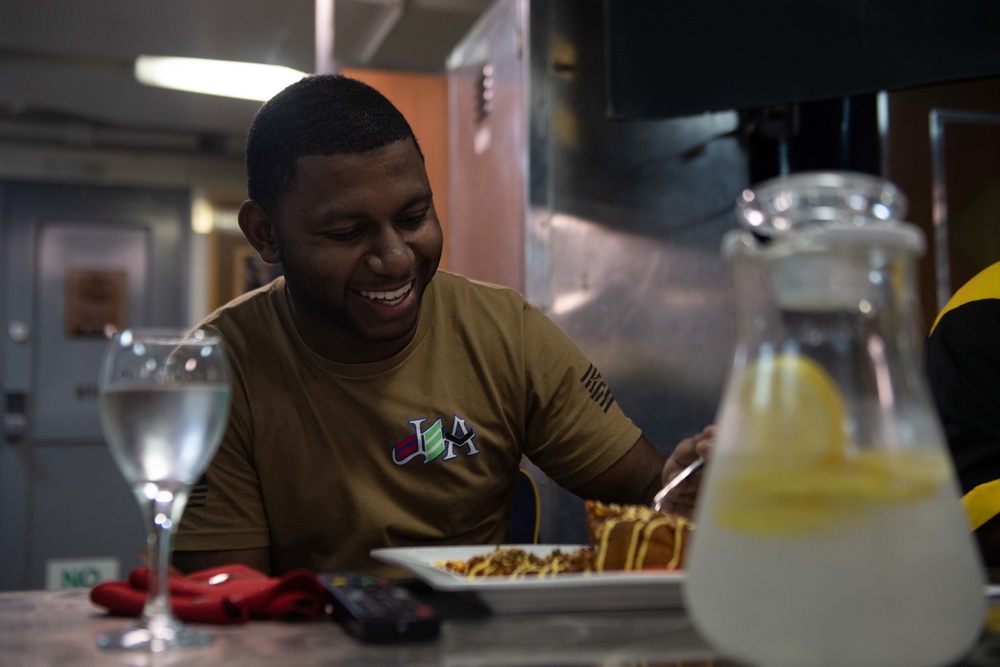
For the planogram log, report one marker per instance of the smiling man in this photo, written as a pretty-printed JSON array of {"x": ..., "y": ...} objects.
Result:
[
  {"x": 359, "y": 242},
  {"x": 377, "y": 401}
]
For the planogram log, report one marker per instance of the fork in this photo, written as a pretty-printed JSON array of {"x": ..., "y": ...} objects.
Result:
[{"x": 672, "y": 484}]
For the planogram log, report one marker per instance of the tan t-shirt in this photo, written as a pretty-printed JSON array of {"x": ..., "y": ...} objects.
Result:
[{"x": 322, "y": 462}]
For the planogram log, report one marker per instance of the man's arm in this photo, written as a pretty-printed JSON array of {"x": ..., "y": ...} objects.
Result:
[
  {"x": 193, "y": 561},
  {"x": 642, "y": 471}
]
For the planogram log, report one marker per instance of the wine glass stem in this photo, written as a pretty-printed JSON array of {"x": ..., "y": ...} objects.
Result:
[{"x": 164, "y": 512}]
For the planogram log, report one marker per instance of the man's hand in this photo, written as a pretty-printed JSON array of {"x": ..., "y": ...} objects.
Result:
[{"x": 682, "y": 499}]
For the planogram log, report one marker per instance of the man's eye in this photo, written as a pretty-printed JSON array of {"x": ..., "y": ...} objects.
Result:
[
  {"x": 413, "y": 220},
  {"x": 345, "y": 234}
]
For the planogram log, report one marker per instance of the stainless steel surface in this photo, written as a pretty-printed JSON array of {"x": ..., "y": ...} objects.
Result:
[
  {"x": 61, "y": 628},
  {"x": 617, "y": 225},
  {"x": 41, "y": 629}
]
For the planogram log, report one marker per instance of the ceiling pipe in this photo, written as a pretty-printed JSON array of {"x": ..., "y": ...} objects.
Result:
[
  {"x": 391, "y": 11},
  {"x": 388, "y": 16},
  {"x": 89, "y": 135},
  {"x": 464, "y": 6},
  {"x": 325, "y": 59}
]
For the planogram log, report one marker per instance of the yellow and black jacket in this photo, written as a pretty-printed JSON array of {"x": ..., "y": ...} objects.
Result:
[{"x": 962, "y": 357}]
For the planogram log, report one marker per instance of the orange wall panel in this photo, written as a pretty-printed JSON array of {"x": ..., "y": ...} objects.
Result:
[{"x": 423, "y": 99}]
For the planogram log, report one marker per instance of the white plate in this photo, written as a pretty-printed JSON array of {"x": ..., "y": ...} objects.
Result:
[{"x": 645, "y": 589}]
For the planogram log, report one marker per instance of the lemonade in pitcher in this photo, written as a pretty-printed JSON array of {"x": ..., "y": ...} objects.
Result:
[{"x": 829, "y": 528}]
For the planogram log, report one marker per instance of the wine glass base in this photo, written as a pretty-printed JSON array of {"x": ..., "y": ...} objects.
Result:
[{"x": 154, "y": 638}]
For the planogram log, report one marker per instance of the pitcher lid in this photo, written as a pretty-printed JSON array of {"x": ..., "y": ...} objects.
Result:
[{"x": 800, "y": 201}]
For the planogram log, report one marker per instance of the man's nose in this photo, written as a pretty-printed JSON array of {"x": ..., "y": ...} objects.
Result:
[{"x": 390, "y": 254}]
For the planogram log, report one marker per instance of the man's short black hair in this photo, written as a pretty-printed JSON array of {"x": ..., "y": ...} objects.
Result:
[{"x": 323, "y": 114}]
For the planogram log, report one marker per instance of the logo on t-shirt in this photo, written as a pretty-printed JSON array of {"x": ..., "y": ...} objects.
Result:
[{"x": 433, "y": 441}]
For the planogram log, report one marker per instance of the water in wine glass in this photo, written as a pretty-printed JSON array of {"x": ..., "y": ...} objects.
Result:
[
  {"x": 164, "y": 434},
  {"x": 164, "y": 403}
]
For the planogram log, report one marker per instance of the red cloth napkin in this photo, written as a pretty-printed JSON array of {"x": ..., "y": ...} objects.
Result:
[{"x": 243, "y": 594}]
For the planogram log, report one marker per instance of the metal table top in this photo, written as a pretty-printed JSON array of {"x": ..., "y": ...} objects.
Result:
[{"x": 62, "y": 627}]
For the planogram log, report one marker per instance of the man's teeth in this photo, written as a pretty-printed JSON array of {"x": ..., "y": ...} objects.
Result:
[{"x": 388, "y": 296}]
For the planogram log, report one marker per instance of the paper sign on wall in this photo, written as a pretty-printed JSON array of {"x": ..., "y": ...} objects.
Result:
[{"x": 96, "y": 302}]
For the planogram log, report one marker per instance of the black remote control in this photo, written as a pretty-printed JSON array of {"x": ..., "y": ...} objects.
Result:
[{"x": 372, "y": 608}]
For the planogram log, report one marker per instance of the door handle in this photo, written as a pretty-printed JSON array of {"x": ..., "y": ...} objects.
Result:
[{"x": 15, "y": 417}]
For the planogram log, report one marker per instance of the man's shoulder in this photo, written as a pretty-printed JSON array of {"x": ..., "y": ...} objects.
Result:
[
  {"x": 478, "y": 308},
  {"x": 250, "y": 314},
  {"x": 456, "y": 289}
]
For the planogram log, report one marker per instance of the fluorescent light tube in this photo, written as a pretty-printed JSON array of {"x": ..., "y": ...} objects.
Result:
[{"x": 246, "y": 81}]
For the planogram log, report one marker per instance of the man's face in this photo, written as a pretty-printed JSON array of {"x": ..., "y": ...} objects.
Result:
[{"x": 359, "y": 241}]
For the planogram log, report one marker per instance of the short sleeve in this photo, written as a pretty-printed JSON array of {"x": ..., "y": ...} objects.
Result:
[{"x": 575, "y": 430}]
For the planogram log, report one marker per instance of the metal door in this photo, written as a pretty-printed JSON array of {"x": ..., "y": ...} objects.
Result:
[{"x": 76, "y": 260}]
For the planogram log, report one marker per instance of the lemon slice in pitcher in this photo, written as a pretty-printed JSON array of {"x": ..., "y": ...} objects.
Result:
[
  {"x": 794, "y": 472},
  {"x": 792, "y": 409}
]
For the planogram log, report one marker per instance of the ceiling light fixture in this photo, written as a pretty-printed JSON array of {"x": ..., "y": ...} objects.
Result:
[{"x": 245, "y": 81}]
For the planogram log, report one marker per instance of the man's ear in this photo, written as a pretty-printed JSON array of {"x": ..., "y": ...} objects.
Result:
[{"x": 259, "y": 229}]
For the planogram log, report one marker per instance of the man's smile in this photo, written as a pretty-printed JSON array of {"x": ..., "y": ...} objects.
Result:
[{"x": 388, "y": 296}]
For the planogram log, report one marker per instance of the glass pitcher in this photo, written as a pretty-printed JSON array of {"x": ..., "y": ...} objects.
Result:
[{"x": 829, "y": 529}]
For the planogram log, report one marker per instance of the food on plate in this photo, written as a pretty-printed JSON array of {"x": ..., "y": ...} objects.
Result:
[
  {"x": 635, "y": 537},
  {"x": 514, "y": 561},
  {"x": 624, "y": 537}
]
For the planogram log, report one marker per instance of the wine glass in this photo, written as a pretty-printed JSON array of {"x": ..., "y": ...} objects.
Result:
[{"x": 164, "y": 402}]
